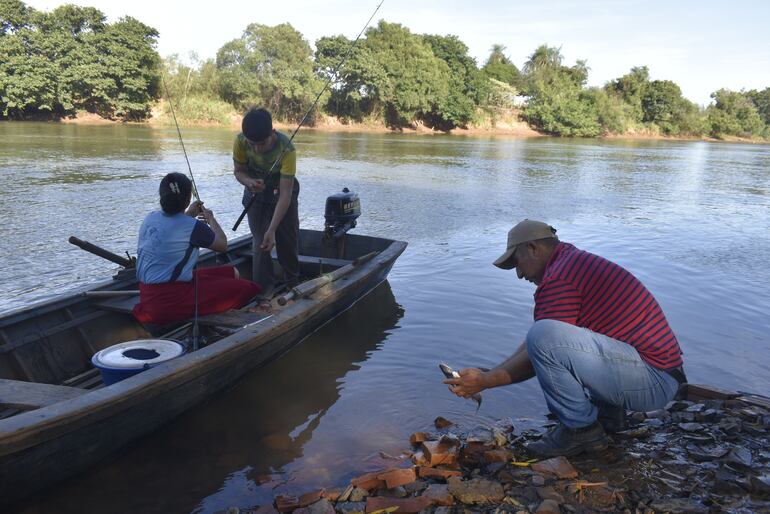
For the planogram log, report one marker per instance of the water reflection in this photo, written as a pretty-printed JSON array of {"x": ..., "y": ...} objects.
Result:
[{"x": 238, "y": 449}]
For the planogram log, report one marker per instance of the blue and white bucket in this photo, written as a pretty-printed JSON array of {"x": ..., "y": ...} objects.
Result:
[{"x": 124, "y": 360}]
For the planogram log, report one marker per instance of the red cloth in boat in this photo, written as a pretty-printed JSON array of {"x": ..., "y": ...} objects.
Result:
[{"x": 218, "y": 291}]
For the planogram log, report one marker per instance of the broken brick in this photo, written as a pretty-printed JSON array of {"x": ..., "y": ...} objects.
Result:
[
  {"x": 497, "y": 456},
  {"x": 310, "y": 498},
  {"x": 437, "y": 453},
  {"x": 332, "y": 494},
  {"x": 418, "y": 437},
  {"x": 397, "y": 477},
  {"x": 558, "y": 466},
  {"x": 368, "y": 481},
  {"x": 426, "y": 472},
  {"x": 403, "y": 505},
  {"x": 438, "y": 494}
]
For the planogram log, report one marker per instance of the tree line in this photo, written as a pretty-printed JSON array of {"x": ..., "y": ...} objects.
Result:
[{"x": 57, "y": 63}]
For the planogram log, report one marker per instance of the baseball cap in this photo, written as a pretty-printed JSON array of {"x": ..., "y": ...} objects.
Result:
[{"x": 527, "y": 230}]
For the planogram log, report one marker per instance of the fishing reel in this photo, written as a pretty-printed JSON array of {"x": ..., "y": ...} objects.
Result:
[{"x": 342, "y": 211}]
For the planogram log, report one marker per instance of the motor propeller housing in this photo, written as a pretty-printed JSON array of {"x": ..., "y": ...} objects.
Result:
[{"x": 342, "y": 210}]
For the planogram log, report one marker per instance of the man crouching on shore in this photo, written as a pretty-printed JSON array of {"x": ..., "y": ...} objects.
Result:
[{"x": 600, "y": 343}]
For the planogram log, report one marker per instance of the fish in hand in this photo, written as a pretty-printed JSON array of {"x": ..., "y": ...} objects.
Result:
[{"x": 450, "y": 373}]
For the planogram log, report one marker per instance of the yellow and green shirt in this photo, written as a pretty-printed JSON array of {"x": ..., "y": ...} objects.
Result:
[{"x": 259, "y": 164}]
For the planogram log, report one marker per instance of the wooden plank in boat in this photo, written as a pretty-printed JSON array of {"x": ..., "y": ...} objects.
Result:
[
  {"x": 26, "y": 395},
  {"x": 233, "y": 318}
]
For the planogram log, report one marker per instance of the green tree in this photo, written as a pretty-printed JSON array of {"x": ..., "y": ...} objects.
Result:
[
  {"x": 71, "y": 59},
  {"x": 269, "y": 66},
  {"x": 631, "y": 88},
  {"x": 353, "y": 95},
  {"x": 14, "y": 16},
  {"x": 467, "y": 85},
  {"x": 500, "y": 67},
  {"x": 613, "y": 114},
  {"x": 761, "y": 100},
  {"x": 664, "y": 105},
  {"x": 413, "y": 81},
  {"x": 392, "y": 75},
  {"x": 558, "y": 104},
  {"x": 733, "y": 114}
]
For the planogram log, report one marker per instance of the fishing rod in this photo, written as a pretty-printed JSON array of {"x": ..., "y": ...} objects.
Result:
[
  {"x": 195, "y": 336},
  {"x": 304, "y": 118}
]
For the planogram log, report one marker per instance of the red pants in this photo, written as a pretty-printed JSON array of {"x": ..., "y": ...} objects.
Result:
[{"x": 218, "y": 291}]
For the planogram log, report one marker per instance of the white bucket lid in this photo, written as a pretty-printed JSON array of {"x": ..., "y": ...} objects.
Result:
[{"x": 115, "y": 356}]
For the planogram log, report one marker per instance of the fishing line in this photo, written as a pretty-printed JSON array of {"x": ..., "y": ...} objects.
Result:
[
  {"x": 304, "y": 118},
  {"x": 179, "y": 132},
  {"x": 195, "y": 329}
]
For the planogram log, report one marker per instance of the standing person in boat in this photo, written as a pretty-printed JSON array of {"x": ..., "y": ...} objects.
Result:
[
  {"x": 600, "y": 343},
  {"x": 169, "y": 241},
  {"x": 273, "y": 216}
]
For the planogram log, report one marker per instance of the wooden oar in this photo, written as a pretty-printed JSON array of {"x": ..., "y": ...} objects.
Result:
[
  {"x": 101, "y": 252},
  {"x": 311, "y": 286}
]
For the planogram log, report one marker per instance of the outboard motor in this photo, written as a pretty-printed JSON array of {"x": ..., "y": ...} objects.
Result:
[{"x": 342, "y": 210}]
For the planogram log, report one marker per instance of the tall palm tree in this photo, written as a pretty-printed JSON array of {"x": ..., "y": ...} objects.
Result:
[{"x": 544, "y": 57}]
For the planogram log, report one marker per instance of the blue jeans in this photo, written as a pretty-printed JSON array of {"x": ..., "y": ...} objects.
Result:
[{"x": 580, "y": 370}]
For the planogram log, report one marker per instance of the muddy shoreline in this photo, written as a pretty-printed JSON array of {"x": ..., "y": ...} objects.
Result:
[{"x": 507, "y": 128}]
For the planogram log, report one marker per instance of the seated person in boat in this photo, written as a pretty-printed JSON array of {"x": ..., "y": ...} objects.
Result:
[
  {"x": 600, "y": 343},
  {"x": 169, "y": 241}
]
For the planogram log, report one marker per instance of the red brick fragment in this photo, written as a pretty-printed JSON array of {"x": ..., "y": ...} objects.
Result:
[
  {"x": 398, "y": 477},
  {"x": 332, "y": 494},
  {"x": 497, "y": 456},
  {"x": 438, "y": 494},
  {"x": 558, "y": 466},
  {"x": 439, "y": 473},
  {"x": 437, "y": 453},
  {"x": 310, "y": 498},
  {"x": 405, "y": 505},
  {"x": 368, "y": 481},
  {"x": 286, "y": 503},
  {"x": 418, "y": 437}
]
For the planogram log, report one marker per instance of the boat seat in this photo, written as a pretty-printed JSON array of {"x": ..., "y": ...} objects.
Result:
[
  {"x": 124, "y": 304},
  {"x": 33, "y": 395},
  {"x": 306, "y": 259}
]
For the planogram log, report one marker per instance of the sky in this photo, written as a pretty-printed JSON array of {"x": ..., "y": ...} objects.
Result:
[{"x": 701, "y": 45}]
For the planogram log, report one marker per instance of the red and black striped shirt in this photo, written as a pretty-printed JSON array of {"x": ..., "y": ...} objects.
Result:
[{"x": 588, "y": 291}]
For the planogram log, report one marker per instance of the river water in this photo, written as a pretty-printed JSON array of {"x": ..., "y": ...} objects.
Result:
[{"x": 690, "y": 219}]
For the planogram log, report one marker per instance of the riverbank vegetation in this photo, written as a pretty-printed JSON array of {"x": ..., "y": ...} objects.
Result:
[{"x": 54, "y": 64}]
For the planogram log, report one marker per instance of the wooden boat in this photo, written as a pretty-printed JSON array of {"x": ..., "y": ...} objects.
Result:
[{"x": 57, "y": 417}]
